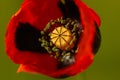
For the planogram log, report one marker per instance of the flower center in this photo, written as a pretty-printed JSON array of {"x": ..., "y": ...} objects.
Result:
[{"x": 62, "y": 38}]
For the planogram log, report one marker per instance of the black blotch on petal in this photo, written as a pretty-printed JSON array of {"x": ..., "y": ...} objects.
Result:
[
  {"x": 97, "y": 39},
  {"x": 69, "y": 9},
  {"x": 26, "y": 38}
]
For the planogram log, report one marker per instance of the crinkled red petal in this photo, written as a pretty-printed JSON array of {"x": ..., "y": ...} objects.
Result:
[{"x": 39, "y": 13}]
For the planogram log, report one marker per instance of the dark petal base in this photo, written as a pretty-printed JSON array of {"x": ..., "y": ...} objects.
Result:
[
  {"x": 69, "y": 9},
  {"x": 97, "y": 40},
  {"x": 26, "y": 38}
]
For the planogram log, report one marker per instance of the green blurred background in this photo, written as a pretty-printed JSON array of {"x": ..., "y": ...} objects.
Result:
[{"x": 106, "y": 65}]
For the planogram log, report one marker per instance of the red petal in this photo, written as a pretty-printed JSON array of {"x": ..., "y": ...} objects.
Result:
[
  {"x": 39, "y": 12},
  {"x": 96, "y": 17},
  {"x": 36, "y": 13},
  {"x": 78, "y": 67}
]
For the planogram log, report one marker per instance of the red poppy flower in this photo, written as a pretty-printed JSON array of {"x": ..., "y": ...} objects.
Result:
[{"x": 58, "y": 38}]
